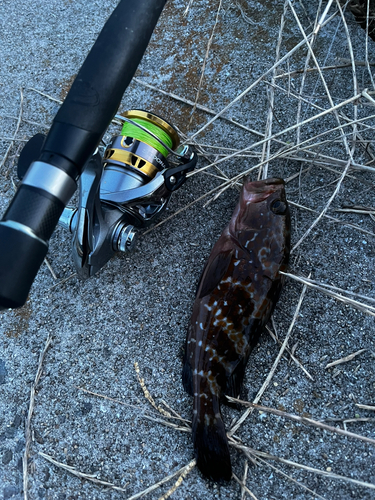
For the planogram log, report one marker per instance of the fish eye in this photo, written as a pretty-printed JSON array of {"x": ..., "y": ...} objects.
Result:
[{"x": 278, "y": 207}]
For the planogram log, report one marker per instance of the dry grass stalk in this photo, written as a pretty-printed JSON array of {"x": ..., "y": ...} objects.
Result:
[
  {"x": 355, "y": 83},
  {"x": 322, "y": 68},
  {"x": 366, "y": 407},
  {"x": 200, "y": 107},
  {"x": 176, "y": 415},
  {"x": 334, "y": 219},
  {"x": 81, "y": 475},
  {"x": 204, "y": 63},
  {"x": 117, "y": 401},
  {"x": 274, "y": 366},
  {"x": 13, "y": 139},
  {"x": 178, "y": 483},
  {"x": 358, "y": 305},
  {"x": 355, "y": 421},
  {"x": 326, "y": 88},
  {"x": 357, "y": 210},
  {"x": 30, "y": 122},
  {"x": 179, "y": 211},
  {"x": 304, "y": 75},
  {"x": 346, "y": 358},
  {"x": 63, "y": 281},
  {"x": 186, "y": 428},
  {"x": 245, "y": 17},
  {"x": 323, "y": 212},
  {"x": 188, "y": 7},
  {"x": 303, "y": 420},
  {"x": 279, "y": 471},
  {"x": 297, "y": 362},
  {"x": 256, "y": 82},
  {"x": 157, "y": 485},
  {"x": 329, "y": 475},
  {"x": 19, "y": 119},
  {"x": 59, "y": 101},
  {"x": 148, "y": 395},
  {"x": 244, "y": 488},
  {"x": 50, "y": 269},
  {"x": 276, "y": 135},
  {"x": 29, "y": 416},
  {"x": 244, "y": 479},
  {"x": 263, "y": 171},
  {"x": 92, "y": 478}
]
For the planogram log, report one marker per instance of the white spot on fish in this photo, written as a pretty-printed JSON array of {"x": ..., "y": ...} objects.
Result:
[
  {"x": 200, "y": 343},
  {"x": 218, "y": 312},
  {"x": 201, "y": 373},
  {"x": 253, "y": 238},
  {"x": 201, "y": 326},
  {"x": 207, "y": 307},
  {"x": 237, "y": 262}
]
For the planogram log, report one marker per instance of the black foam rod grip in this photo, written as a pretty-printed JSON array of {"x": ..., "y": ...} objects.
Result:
[{"x": 108, "y": 69}]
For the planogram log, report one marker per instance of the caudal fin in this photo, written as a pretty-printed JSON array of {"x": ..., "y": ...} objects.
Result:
[{"x": 210, "y": 442}]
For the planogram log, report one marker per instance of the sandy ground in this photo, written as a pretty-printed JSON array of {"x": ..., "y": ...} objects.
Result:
[{"x": 137, "y": 308}]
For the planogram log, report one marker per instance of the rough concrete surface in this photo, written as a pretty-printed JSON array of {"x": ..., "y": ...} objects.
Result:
[{"x": 136, "y": 309}]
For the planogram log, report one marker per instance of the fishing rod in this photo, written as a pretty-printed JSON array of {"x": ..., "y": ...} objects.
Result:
[{"x": 120, "y": 191}]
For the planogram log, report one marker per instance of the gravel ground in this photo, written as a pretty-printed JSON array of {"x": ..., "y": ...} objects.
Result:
[{"x": 136, "y": 309}]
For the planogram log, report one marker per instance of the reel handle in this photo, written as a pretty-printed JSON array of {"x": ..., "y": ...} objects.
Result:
[{"x": 75, "y": 133}]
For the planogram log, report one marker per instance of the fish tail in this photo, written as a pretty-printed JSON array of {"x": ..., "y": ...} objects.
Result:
[{"x": 210, "y": 439}]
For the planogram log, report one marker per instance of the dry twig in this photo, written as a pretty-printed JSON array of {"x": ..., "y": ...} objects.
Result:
[
  {"x": 29, "y": 416},
  {"x": 303, "y": 420},
  {"x": 178, "y": 483},
  {"x": 15, "y": 132},
  {"x": 345, "y": 359},
  {"x": 82, "y": 475},
  {"x": 148, "y": 395}
]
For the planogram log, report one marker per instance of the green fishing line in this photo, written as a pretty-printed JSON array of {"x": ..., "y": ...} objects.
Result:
[{"x": 130, "y": 130}]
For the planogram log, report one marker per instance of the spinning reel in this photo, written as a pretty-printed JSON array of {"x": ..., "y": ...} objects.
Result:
[
  {"x": 120, "y": 193},
  {"x": 125, "y": 190}
]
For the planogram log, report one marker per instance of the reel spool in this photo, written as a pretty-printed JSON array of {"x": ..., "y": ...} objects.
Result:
[{"x": 136, "y": 152}]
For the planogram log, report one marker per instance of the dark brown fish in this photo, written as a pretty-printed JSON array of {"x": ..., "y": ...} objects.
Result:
[{"x": 236, "y": 295}]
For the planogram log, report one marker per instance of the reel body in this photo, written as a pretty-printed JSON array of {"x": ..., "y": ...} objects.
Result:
[{"x": 123, "y": 191}]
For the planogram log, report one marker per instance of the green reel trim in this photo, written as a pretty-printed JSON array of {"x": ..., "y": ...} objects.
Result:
[{"x": 155, "y": 125}]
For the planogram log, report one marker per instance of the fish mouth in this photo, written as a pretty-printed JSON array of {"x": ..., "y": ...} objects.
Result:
[
  {"x": 256, "y": 191},
  {"x": 271, "y": 181},
  {"x": 259, "y": 185}
]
